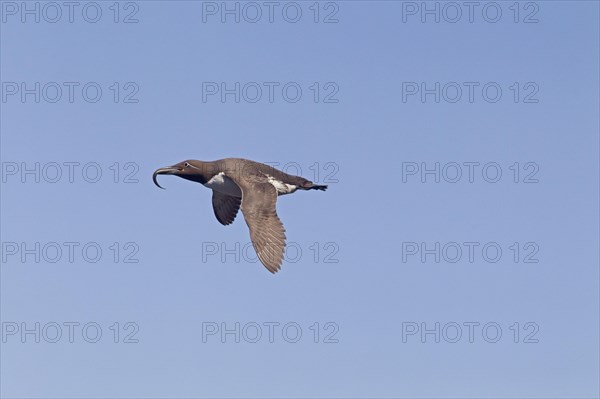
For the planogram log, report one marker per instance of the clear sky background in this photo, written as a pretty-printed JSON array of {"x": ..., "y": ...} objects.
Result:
[{"x": 376, "y": 292}]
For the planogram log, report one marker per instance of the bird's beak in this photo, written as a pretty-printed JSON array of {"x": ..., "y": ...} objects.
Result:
[{"x": 171, "y": 170}]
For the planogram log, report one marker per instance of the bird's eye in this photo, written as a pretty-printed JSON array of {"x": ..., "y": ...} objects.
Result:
[{"x": 187, "y": 165}]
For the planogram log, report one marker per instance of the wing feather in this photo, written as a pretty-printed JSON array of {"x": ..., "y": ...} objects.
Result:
[
  {"x": 226, "y": 207},
  {"x": 267, "y": 233}
]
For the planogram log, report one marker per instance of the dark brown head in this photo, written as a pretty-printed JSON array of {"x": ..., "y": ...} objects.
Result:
[{"x": 193, "y": 170}]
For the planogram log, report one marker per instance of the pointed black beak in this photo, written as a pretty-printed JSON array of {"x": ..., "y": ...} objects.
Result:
[{"x": 171, "y": 170}]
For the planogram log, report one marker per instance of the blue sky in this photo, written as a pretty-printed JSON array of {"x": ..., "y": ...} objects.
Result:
[{"x": 364, "y": 267}]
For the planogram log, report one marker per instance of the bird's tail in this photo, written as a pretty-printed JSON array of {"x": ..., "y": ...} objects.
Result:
[{"x": 313, "y": 186}]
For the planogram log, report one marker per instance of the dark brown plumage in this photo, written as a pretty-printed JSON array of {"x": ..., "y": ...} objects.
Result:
[{"x": 253, "y": 187}]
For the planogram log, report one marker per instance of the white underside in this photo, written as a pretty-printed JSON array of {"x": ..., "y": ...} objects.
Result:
[
  {"x": 223, "y": 184},
  {"x": 282, "y": 188}
]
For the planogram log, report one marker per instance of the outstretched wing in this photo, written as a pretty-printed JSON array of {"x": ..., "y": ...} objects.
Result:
[
  {"x": 226, "y": 207},
  {"x": 266, "y": 230}
]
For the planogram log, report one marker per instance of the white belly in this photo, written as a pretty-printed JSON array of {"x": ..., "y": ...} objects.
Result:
[
  {"x": 224, "y": 184},
  {"x": 282, "y": 188}
]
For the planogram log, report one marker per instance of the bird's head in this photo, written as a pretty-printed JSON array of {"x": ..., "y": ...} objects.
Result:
[{"x": 190, "y": 170}]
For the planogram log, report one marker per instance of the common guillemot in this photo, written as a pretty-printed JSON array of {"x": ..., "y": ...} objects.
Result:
[{"x": 252, "y": 186}]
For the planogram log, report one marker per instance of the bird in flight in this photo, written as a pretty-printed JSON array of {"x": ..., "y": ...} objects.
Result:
[{"x": 252, "y": 186}]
